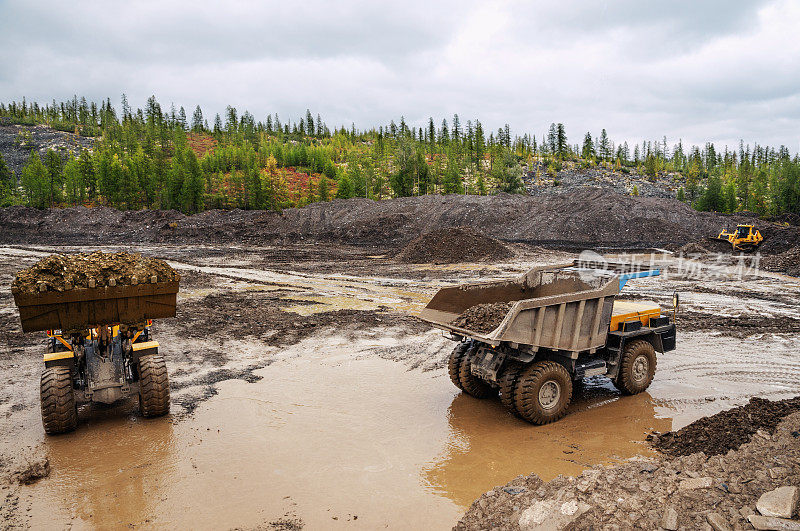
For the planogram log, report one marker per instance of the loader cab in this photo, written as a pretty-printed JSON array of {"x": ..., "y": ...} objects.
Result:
[{"x": 744, "y": 231}]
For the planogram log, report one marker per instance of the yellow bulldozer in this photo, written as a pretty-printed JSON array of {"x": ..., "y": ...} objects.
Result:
[{"x": 745, "y": 238}]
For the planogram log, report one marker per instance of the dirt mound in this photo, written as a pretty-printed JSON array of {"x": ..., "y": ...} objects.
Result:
[
  {"x": 59, "y": 272},
  {"x": 452, "y": 246},
  {"x": 787, "y": 262},
  {"x": 580, "y": 219},
  {"x": 483, "y": 317},
  {"x": 727, "y": 430}
]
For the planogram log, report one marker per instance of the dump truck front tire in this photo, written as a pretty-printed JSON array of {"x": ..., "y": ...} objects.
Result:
[
  {"x": 59, "y": 411},
  {"x": 454, "y": 363},
  {"x": 637, "y": 367},
  {"x": 471, "y": 384},
  {"x": 543, "y": 392},
  {"x": 153, "y": 386}
]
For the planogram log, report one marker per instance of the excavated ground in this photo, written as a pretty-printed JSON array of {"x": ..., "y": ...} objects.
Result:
[
  {"x": 584, "y": 218},
  {"x": 284, "y": 351}
]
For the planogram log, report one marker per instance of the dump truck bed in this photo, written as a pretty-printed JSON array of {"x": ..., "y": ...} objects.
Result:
[
  {"x": 82, "y": 308},
  {"x": 562, "y": 307}
]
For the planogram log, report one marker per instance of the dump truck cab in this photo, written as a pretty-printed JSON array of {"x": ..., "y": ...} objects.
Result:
[{"x": 564, "y": 324}]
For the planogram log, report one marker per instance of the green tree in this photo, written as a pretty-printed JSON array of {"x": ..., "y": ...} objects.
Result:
[
  {"x": 681, "y": 196},
  {"x": 344, "y": 189},
  {"x": 507, "y": 172},
  {"x": 192, "y": 185},
  {"x": 36, "y": 182},
  {"x": 73, "y": 182},
  {"x": 587, "y": 152}
]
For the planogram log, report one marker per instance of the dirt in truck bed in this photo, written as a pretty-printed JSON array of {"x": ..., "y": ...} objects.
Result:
[
  {"x": 483, "y": 318},
  {"x": 452, "y": 246},
  {"x": 59, "y": 272}
]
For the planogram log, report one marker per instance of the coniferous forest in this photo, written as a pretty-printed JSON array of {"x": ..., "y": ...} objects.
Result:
[{"x": 174, "y": 159}]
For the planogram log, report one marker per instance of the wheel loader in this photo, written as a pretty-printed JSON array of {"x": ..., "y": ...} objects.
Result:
[
  {"x": 564, "y": 324},
  {"x": 99, "y": 348},
  {"x": 745, "y": 238}
]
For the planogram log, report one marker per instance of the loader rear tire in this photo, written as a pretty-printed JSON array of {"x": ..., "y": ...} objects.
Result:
[
  {"x": 454, "y": 363},
  {"x": 508, "y": 384},
  {"x": 153, "y": 386},
  {"x": 59, "y": 410},
  {"x": 637, "y": 367},
  {"x": 543, "y": 392},
  {"x": 471, "y": 384}
]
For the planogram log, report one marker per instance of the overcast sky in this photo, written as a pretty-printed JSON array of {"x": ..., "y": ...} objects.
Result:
[{"x": 717, "y": 70}]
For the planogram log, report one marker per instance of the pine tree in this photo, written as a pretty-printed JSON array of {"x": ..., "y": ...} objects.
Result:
[
  {"x": 604, "y": 146},
  {"x": 587, "y": 151},
  {"x": 197, "y": 119}
]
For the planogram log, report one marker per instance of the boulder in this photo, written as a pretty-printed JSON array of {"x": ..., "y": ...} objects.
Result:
[{"x": 781, "y": 502}]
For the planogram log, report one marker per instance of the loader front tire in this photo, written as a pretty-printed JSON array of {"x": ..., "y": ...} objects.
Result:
[
  {"x": 454, "y": 363},
  {"x": 543, "y": 392},
  {"x": 59, "y": 411},
  {"x": 508, "y": 384},
  {"x": 471, "y": 384},
  {"x": 153, "y": 386},
  {"x": 637, "y": 367}
]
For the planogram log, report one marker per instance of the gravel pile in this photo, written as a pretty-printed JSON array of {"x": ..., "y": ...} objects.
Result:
[
  {"x": 452, "y": 246},
  {"x": 60, "y": 272},
  {"x": 483, "y": 318}
]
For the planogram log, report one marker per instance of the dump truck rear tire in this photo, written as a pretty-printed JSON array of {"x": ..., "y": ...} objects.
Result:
[
  {"x": 543, "y": 392},
  {"x": 454, "y": 363},
  {"x": 59, "y": 411},
  {"x": 637, "y": 367},
  {"x": 471, "y": 384},
  {"x": 153, "y": 386},
  {"x": 508, "y": 384}
]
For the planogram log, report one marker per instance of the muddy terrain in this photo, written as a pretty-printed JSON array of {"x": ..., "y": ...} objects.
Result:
[{"x": 303, "y": 364}]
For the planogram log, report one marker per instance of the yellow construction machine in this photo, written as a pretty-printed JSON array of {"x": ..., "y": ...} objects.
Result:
[{"x": 745, "y": 238}]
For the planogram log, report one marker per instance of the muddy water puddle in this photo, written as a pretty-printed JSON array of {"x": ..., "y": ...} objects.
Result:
[{"x": 334, "y": 438}]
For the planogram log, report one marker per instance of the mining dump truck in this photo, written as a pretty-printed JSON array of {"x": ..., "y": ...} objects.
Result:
[
  {"x": 99, "y": 346},
  {"x": 557, "y": 325}
]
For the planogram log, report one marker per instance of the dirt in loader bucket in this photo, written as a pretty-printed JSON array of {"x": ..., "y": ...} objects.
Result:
[
  {"x": 483, "y": 318},
  {"x": 62, "y": 272}
]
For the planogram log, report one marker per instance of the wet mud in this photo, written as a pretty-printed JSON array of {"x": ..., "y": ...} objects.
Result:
[{"x": 306, "y": 389}]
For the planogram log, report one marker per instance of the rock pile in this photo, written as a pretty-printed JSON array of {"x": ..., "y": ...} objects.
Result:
[
  {"x": 754, "y": 486},
  {"x": 61, "y": 272}
]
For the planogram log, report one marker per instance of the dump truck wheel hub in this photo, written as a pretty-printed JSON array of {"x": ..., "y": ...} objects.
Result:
[
  {"x": 641, "y": 368},
  {"x": 549, "y": 394}
]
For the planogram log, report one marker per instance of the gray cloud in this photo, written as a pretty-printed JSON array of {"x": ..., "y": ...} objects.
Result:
[{"x": 717, "y": 70}]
